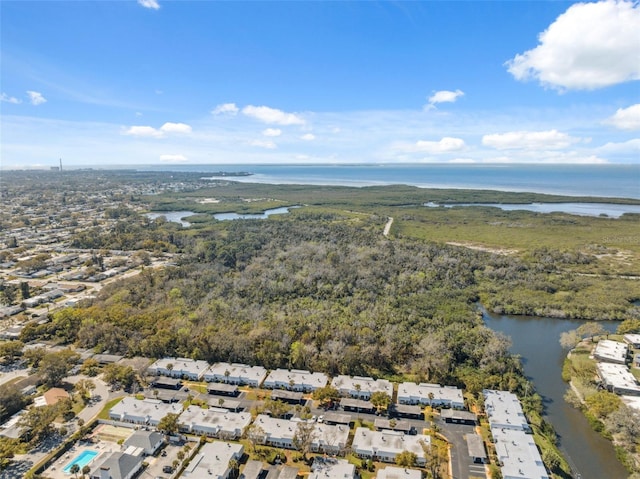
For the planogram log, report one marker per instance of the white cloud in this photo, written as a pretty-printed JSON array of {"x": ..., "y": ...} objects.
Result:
[
  {"x": 143, "y": 131},
  {"x": 591, "y": 45},
  {"x": 36, "y": 98},
  {"x": 225, "y": 108},
  {"x": 443, "y": 96},
  {"x": 173, "y": 158},
  {"x": 272, "y": 115},
  {"x": 267, "y": 144},
  {"x": 9, "y": 99},
  {"x": 272, "y": 132},
  {"x": 531, "y": 140},
  {"x": 626, "y": 147},
  {"x": 626, "y": 118},
  {"x": 444, "y": 145},
  {"x": 151, "y": 132},
  {"x": 153, "y": 4},
  {"x": 175, "y": 128},
  {"x": 308, "y": 137}
]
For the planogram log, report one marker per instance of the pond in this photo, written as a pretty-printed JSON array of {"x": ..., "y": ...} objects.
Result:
[
  {"x": 177, "y": 216},
  {"x": 536, "y": 339}
]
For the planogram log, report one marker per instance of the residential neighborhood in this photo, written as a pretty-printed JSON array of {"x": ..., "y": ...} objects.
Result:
[{"x": 181, "y": 425}]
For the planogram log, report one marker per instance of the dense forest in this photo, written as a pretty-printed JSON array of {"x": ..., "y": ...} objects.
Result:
[{"x": 322, "y": 292}]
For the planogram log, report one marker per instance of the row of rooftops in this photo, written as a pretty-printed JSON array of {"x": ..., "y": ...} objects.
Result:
[
  {"x": 612, "y": 367},
  {"x": 611, "y": 351},
  {"x": 516, "y": 450},
  {"x": 302, "y": 380}
]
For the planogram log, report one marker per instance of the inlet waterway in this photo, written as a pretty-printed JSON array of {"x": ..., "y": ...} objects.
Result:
[
  {"x": 536, "y": 340},
  {"x": 178, "y": 216}
]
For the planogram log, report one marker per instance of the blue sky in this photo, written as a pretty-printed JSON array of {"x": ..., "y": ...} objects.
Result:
[{"x": 102, "y": 83}]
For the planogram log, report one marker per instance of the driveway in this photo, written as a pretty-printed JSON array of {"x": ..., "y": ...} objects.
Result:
[
  {"x": 99, "y": 397},
  {"x": 461, "y": 465}
]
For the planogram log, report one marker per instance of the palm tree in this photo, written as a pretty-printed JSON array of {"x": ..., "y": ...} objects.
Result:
[{"x": 74, "y": 470}]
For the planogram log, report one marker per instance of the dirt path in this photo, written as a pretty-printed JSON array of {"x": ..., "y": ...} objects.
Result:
[{"x": 387, "y": 227}]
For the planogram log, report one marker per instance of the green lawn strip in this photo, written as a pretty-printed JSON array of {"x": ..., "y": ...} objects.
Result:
[{"x": 104, "y": 414}]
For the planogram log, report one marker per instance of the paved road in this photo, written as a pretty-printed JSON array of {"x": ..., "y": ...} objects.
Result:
[
  {"x": 5, "y": 377},
  {"x": 99, "y": 397}
]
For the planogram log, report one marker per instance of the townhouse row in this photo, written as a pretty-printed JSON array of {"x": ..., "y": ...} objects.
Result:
[{"x": 297, "y": 380}]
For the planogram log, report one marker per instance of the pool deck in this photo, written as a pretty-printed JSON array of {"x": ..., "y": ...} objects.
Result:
[{"x": 56, "y": 470}]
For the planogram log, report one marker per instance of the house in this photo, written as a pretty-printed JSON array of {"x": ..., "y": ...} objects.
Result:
[
  {"x": 611, "y": 351},
  {"x": 12, "y": 428},
  {"x": 361, "y": 387},
  {"x": 518, "y": 454},
  {"x": 116, "y": 465},
  {"x": 430, "y": 394},
  {"x": 476, "y": 449},
  {"x": 6, "y": 311},
  {"x": 295, "y": 380},
  {"x": 148, "y": 441},
  {"x": 179, "y": 368},
  {"x": 323, "y": 468},
  {"x": 280, "y": 433},
  {"x": 504, "y": 411},
  {"x": 393, "y": 472},
  {"x": 233, "y": 373},
  {"x": 214, "y": 422},
  {"x": 54, "y": 395},
  {"x": 214, "y": 460},
  {"x": 146, "y": 412},
  {"x": 633, "y": 340},
  {"x": 618, "y": 379},
  {"x": 386, "y": 445}
]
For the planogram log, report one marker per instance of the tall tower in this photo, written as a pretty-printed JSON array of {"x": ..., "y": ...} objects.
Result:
[{"x": 60, "y": 164}]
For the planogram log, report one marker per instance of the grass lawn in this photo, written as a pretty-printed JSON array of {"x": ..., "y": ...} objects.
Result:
[{"x": 104, "y": 414}]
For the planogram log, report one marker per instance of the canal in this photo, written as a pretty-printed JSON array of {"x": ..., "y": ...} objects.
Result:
[{"x": 536, "y": 340}]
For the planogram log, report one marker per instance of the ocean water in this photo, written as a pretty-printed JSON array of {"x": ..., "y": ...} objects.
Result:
[{"x": 613, "y": 181}]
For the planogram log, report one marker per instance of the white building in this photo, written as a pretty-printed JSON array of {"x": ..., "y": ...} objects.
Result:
[
  {"x": 295, "y": 380},
  {"x": 611, "y": 351},
  {"x": 618, "y": 379},
  {"x": 430, "y": 394},
  {"x": 147, "y": 412},
  {"x": 386, "y": 445},
  {"x": 179, "y": 368},
  {"x": 632, "y": 340},
  {"x": 280, "y": 433},
  {"x": 518, "y": 454},
  {"x": 504, "y": 411},
  {"x": 214, "y": 460},
  {"x": 116, "y": 465},
  {"x": 393, "y": 472},
  {"x": 330, "y": 467},
  {"x": 232, "y": 373},
  {"x": 214, "y": 422},
  {"x": 361, "y": 387}
]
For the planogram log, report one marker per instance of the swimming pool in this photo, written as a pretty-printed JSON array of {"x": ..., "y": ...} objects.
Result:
[{"x": 82, "y": 459}]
